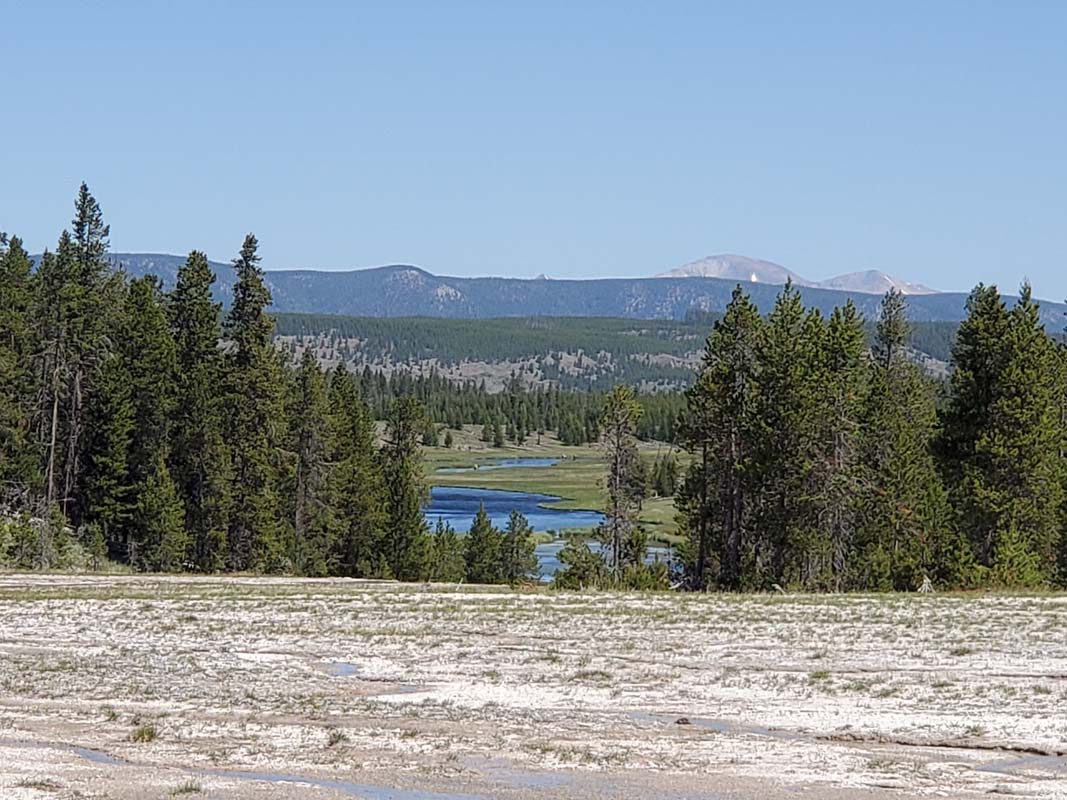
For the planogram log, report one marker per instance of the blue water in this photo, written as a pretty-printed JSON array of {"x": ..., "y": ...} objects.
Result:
[
  {"x": 503, "y": 463},
  {"x": 457, "y": 506}
]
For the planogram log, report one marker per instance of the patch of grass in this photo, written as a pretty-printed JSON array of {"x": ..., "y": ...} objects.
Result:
[
  {"x": 962, "y": 650},
  {"x": 593, "y": 675},
  {"x": 40, "y": 784},
  {"x": 189, "y": 787},
  {"x": 336, "y": 737},
  {"x": 819, "y": 675},
  {"x": 144, "y": 733}
]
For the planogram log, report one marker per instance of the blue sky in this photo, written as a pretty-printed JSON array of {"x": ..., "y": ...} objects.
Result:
[{"x": 577, "y": 139}]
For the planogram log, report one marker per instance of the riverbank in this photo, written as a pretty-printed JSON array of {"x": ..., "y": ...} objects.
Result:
[
  {"x": 132, "y": 687},
  {"x": 577, "y": 477}
]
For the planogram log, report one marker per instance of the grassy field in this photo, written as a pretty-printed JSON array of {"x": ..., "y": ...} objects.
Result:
[
  {"x": 234, "y": 688},
  {"x": 578, "y": 478}
]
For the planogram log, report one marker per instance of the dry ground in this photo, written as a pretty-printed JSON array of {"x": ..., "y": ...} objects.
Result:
[{"x": 125, "y": 687}]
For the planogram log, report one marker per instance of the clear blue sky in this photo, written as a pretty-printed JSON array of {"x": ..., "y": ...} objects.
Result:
[{"x": 578, "y": 139}]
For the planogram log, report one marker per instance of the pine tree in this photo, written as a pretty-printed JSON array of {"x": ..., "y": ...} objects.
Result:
[
  {"x": 406, "y": 536},
  {"x": 199, "y": 457},
  {"x": 74, "y": 297},
  {"x": 1001, "y": 438},
  {"x": 787, "y": 549},
  {"x": 256, "y": 421},
  {"x": 311, "y": 445},
  {"x": 518, "y": 557},
  {"x": 161, "y": 535},
  {"x": 580, "y": 568},
  {"x": 618, "y": 421},
  {"x": 714, "y": 500},
  {"x": 484, "y": 550},
  {"x": 356, "y": 489},
  {"x": 108, "y": 498},
  {"x": 837, "y": 474},
  {"x": 449, "y": 563},
  {"x": 18, "y": 462},
  {"x": 905, "y": 531},
  {"x": 148, "y": 353}
]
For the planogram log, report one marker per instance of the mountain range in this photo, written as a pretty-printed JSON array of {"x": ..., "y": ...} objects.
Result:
[
  {"x": 404, "y": 291},
  {"x": 755, "y": 270}
]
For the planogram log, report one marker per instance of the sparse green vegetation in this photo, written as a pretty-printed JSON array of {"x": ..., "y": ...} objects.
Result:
[{"x": 144, "y": 733}]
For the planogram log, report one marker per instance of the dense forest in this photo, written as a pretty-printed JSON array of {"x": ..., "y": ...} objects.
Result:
[
  {"x": 151, "y": 429},
  {"x": 821, "y": 464},
  {"x": 587, "y": 353}
]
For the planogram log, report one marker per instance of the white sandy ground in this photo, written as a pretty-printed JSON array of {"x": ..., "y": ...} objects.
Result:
[{"x": 402, "y": 692}]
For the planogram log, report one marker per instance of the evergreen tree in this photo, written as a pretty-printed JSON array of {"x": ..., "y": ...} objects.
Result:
[
  {"x": 905, "y": 531},
  {"x": 148, "y": 353},
  {"x": 618, "y": 420},
  {"x": 1001, "y": 439},
  {"x": 199, "y": 457},
  {"x": 161, "y": 535},
  {"x": 518, "y": 555},
  {"x": 837, "y": 475},
  {"x": 449, "y": 563},
  {"x": 356, "y": 490},
  {"x": 256, "y": 421},
  {"x": 72, "y": 311},
  {"x": 484, "y": 550},
  {"x": 787, "y": 550},
  {"x": 715, "y": 501},
  {"x": 406, "y": 536},
  {"x": 18, "y": 464},
  {"x": 580, "y": 568},
  {"x": 311, "y": 445},
  {"x": 108, "y": 497}
]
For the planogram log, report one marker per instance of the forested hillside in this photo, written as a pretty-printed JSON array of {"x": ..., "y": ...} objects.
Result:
[{"x": 562, "y": 352}]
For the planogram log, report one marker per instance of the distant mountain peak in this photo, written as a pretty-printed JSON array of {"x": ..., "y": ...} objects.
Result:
[
  {"x": 735, "y": 267},
  {"x": 754, "y": 270},
  {"x": 874, "y": 281}
]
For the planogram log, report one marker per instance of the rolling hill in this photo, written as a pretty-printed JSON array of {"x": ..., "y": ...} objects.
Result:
[{"x": 404, "y": 291}]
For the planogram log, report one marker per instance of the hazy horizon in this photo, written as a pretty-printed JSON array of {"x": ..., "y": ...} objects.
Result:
[{"x": 596, "y": 142}]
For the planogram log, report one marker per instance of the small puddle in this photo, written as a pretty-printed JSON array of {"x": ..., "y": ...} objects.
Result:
[
  {"x": 367, "y": 791},
  {"x": 98, "y": 757},
  {"x": 341, "y": 669},
  {"x": 1006, "y": 766}
]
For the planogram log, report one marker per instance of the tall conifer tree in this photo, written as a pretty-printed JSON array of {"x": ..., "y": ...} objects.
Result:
[
  {"x": 199, "y": 457},
  {"x": 407, "y": 545},
  {"x": 256, "y": 421}
]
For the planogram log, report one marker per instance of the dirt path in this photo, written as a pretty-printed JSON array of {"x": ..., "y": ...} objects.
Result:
[{"x": 274, "y": 688}]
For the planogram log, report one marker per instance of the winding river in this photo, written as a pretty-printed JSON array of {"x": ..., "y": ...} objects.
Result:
[{"x": 457, "y": 506}]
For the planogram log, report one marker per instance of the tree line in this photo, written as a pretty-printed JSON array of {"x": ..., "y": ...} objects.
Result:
[
  {"x": 152, "y": 429},
  {"x": 519, "y": 414},
  {"x": 147, "y": 428},
  {"x": 818, "y": 463}
]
